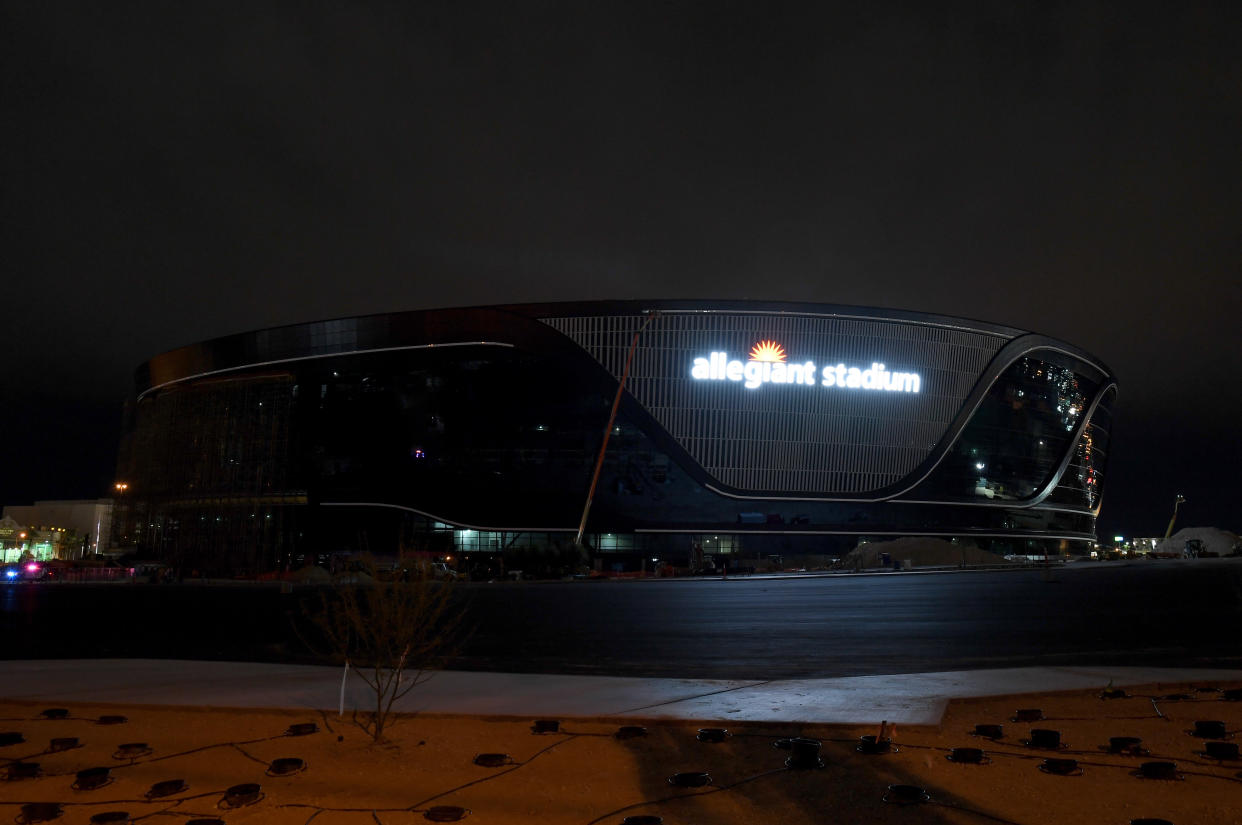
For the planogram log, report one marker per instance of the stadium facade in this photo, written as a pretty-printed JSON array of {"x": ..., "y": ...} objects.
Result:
[{"x": 744, "y": 427}]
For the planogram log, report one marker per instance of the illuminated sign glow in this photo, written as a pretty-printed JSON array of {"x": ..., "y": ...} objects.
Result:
[
  {"x": 767, "y": 351},
  {"x": 767, "y": 366}
]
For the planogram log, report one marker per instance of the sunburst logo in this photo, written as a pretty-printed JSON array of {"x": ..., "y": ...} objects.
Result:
[{"x": 767, "y": 351}]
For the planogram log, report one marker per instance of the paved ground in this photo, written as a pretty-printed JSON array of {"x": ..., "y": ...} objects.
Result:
[
  {"x": 913, "y": 698},
  {"x": 1154, "y": 613}
]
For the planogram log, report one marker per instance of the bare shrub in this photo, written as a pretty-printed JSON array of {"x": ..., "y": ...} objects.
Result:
[{"x": 392, "y": 628}]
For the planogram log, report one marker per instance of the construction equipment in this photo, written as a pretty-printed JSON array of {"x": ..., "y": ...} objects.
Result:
[{"x": 1176, "y": 503}]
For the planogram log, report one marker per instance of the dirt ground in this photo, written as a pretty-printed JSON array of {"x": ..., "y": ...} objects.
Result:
[
  {"x": 919, "y": 552},
  {"x": 585, "y": 773}
]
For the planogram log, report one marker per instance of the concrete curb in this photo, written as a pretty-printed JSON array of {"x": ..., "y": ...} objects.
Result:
[{"x": 911, "y": 699}]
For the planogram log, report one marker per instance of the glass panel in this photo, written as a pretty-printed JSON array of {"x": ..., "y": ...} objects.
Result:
[
  {"x": 1083, "y": 482},
  {"x": 1018, "y": 435}
]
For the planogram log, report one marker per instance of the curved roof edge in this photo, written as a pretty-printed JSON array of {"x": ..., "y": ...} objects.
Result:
[
  {"x": 236, "y": 342},
  {"x": 567, "y": 308}
]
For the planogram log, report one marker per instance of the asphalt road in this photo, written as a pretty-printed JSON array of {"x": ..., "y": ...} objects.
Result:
[{"x": 1162, "y": 613}]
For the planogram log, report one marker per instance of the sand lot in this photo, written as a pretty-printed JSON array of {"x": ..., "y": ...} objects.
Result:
[{"x": 586, "y": 773}]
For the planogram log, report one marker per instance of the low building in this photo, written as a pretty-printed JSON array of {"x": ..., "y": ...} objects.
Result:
[
  {"x": 67, "y": 529},
  {"x": 13, "y": 540}
]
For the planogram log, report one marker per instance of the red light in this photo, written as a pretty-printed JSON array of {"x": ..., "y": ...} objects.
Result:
[{"x": 32, "y": 568}]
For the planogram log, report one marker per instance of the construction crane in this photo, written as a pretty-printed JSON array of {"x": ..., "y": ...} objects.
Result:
[{"x": 1176, "y": 503}]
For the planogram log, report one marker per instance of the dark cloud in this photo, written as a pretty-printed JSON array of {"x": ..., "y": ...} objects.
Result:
[{"x": 176, "y": 173}]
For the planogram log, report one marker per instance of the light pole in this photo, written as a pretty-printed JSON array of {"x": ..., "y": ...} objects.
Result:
[{"x": 1176, "y": 503}]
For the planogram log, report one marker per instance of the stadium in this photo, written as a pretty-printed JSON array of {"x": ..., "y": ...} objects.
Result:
[{"x": 742, "y": 428}]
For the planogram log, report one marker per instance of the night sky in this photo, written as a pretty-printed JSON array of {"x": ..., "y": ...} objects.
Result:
[{"x": 175, "y": 172}]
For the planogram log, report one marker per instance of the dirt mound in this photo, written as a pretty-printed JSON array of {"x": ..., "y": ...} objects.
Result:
[
  {"x": 918, "y": 552},
  {"x": 1215, "y": 540}
]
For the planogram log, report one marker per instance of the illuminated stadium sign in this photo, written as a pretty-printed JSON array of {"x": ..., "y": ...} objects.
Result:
[{"x": 767, "y": 365}]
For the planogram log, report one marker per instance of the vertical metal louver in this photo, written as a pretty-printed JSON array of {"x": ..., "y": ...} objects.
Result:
[{"x": 793, "y": 439}]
